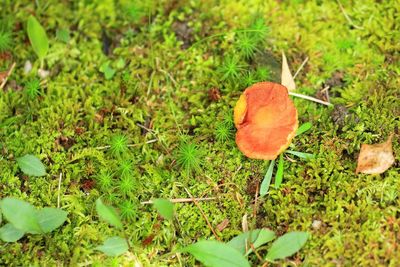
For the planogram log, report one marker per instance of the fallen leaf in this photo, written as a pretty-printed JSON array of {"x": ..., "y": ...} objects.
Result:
[
  {"x": 375, "y": 159},
  {"x": 222, "y": 225},
  {"x": 286, "y": 76}
]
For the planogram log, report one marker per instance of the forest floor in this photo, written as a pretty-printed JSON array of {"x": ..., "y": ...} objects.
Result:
[{"x": 166, "y": 75}]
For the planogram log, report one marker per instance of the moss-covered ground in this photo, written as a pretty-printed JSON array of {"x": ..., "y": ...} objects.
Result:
[{"x": 169, "y": 58}]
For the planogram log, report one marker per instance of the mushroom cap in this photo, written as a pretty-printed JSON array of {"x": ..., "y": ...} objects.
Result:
[{"x": 266, "y": 120}]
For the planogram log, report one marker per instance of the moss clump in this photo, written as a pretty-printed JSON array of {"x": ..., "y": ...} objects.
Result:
[{"x": 170, "y": 63}]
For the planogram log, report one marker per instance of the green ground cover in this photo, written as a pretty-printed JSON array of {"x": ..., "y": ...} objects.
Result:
[{"x": 164, "y": 77}]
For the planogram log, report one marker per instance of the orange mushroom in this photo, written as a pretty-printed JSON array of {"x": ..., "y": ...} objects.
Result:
[{"x": 266, "y": 120}]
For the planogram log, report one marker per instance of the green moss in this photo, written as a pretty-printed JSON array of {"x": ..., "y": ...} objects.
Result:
[{"x": 170, "y": 65}]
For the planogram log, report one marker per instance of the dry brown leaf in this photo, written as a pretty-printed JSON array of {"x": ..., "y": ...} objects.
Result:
[
  {"x": 222, "y": 225},
  {"x": 287, "y": 79},
  {"x": 375, "y": 159}
]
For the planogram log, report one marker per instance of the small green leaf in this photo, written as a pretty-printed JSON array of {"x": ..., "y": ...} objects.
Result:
[
  {"x": 109, "y": 214},
  {"x": 216, "y": 254},
  {"x": 31, "y": 165},
  {"x": 257, "y": 237},
  {"x": 120, "y": 64},
  {"x": 240, "y": 242},
  {"x": 267, "y": 179},
  {"x": 264, "y": 237},
  {"x": 21, "y": 215},
  {"x": 279, "y": 172},
  {"x": 287, "y": 245},
  {"x": 114, "y": 246},
  {"x": 303, "y": 128},
  {"x": 301, "y": 154},
  {"x": 165, "y": 208},
  {"x": 107, "y": 70},
  {"x": 8, "y": 233},
  {"x": 37, "y": 37},
  {"x": 63, "y": 35},
  {"x": 51, "y": 218}
]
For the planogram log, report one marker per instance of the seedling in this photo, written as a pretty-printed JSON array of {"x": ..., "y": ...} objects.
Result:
[
  {"x": 234, "y": 253},
  {"x": 38, "y": 38},
  {"x": 113, "y": 246},
  {"x": 23, "y": 218}
]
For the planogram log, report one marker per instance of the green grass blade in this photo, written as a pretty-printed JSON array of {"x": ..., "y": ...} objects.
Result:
[
  {"x": 279, "y": 172},
  {"x": 301, "y": 154},
  {"x": 303, "y": 128},
  {"x": 267, "y": 179}
]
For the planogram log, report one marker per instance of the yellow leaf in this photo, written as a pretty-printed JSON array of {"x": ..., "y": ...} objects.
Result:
[
  {"x": 377, "y": 158},
  {"x": 286, "y": 76}
]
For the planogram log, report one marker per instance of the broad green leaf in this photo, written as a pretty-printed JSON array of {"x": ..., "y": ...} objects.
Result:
[
  {"x": 287, "y": 245},
  {"x": 21, "y": 215},
  {"x": 51, "y": 218},
  {"x": 257, "y": 237},
  {"x": 114, "y": 246},
  {"x": 301, "y": 154},
  {"x": 31, "y": 165},
  {"x": 267, "y": 179},
  {"x": 279, "y": 172},
  {"x": 109, "y": 214},
  {"x": 8, "y": 233},
  {"x": 216, "y": 254},
  {"x": 38, "y": 37},
  {"x": 165, "y": 208},
  {"x": 1, "y": 217},
  {"x": 303, "y": 128},
  {"x": 264, "y": 237},
  {"x": 240, "y": 242}
]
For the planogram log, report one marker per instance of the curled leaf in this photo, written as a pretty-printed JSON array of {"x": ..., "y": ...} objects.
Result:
[
  {"x": 287, "y": 79},
  {"x": 375, "y": 159}
]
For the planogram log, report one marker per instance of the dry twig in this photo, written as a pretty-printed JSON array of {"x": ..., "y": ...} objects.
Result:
[
  {"x": 182, "y": 200},
  {"x": 8, "y": 75},
  {"x": 310, "y": 98},
  {"x": 203, "y": 214}
]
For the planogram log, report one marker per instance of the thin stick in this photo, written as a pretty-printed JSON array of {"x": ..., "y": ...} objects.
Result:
[
  {"x": 182, "y": 200},
  {"x": 130, "y": 145},
  {"x": 310, "y": 98},
  {"x": 59, "y": 189},
  {"x": 145, "y": 128},
  {"x": 255, "y": 208},
  {"x": 299, "y": 69},
  {"x": 150, "y": 83},
  {"x": 203, "y": 214},
  {"x": 258, "y": 255},
  {"x": 347, "y": 16},
  {"x": 326, "y": 88},
  {"x": 8, "y": 75}
]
